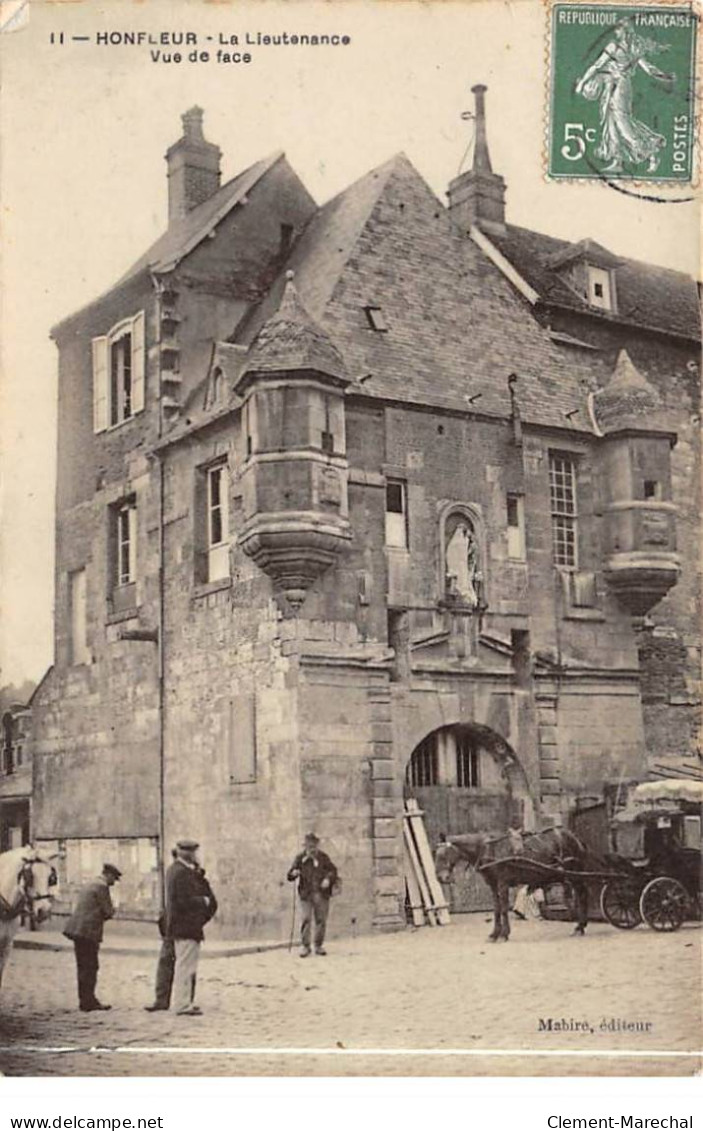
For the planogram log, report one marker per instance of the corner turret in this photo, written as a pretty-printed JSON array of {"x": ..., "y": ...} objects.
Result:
[
  {"x": 294, "y": 476},
  {"x": 640, "y": 527}
]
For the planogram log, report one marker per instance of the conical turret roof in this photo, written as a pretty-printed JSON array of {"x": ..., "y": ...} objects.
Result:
[
  {"x": 291, "y": 340},
  {"x": 628, "y": 400}
]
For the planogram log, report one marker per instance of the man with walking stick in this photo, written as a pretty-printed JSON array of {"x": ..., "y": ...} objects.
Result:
[{"x": 316, "y": 876}]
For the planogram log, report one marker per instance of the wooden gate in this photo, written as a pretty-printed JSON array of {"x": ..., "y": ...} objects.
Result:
[{"x": 450, "y": 810}]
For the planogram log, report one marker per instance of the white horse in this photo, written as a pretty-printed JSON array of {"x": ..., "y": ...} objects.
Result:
[{"x": 27, "y": 886}]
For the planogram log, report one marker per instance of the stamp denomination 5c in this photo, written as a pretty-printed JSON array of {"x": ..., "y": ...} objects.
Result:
[{"x": 622, "y": 92}]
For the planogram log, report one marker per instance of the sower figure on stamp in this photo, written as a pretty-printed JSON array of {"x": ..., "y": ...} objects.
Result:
[
  {"x": 190, "y": 904},
  {"x": 316, "y": 875},
  {"x": 85, "y": 929}
]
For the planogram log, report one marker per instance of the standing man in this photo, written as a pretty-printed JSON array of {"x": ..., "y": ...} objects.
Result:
[
  {"x": 165, "y": 966},
  {"x": 85, "y": 929},
  {"x": 316, "y": 875},
  {"x": 190, "y": 904}
]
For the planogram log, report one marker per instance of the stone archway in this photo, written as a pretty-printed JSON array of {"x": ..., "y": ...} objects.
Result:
[{"x": 467, "y": 778}]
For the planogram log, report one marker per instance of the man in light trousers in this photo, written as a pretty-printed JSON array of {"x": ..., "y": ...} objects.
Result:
[{"x": 190, "y": 904}]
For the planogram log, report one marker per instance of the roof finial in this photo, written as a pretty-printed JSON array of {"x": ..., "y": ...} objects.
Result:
[{"x": 482, "y": 160}]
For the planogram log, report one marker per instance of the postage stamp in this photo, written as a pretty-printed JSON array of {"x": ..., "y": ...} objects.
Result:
[{"x": 622, "y": 92}]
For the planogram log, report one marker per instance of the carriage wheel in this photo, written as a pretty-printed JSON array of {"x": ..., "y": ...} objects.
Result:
[
  {"x": 663, "y": 904},
  {"x": 619, "y": 904}
]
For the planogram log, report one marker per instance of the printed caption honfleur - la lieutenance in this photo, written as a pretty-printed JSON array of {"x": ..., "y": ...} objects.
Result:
[{"x": 190, "y": 47}]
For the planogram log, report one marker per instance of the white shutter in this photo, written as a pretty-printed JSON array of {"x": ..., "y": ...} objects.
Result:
[
  {"x": 133, "y": 543},
  {"x": 99, "y": 384},
  {"x": 138, "y": 362},
  {"x": 224, "y": 501}
]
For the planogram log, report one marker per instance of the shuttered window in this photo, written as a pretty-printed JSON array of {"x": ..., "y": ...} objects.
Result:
[
  {"x": 217, "y": 522},
  {"x": 118, "y": 373},
  {"x": 396, "y": 514}
]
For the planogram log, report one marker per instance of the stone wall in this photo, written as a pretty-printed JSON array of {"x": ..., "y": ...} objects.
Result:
[{"x": 672, "y": 641}]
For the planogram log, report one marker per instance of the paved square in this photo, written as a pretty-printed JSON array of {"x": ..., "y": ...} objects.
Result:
[{"x": 440, "y": 989}]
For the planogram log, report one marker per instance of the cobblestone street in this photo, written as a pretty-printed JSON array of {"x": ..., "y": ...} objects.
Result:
[{"x": 430, "y": 989}]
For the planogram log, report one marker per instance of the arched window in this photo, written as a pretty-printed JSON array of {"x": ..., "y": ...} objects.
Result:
[
  {"x": 218, "y": 386},
  {"x": 450, "y": 756}
]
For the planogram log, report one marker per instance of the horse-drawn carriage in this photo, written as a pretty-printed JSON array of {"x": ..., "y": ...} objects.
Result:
[
  {"x": 657, "y": 839},
  {"x": 654, "y": 874}
]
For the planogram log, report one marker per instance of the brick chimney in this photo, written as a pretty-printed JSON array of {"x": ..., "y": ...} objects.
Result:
[
  {"x": 478, "y": 196},
  {"x": 193, "y": 167}
]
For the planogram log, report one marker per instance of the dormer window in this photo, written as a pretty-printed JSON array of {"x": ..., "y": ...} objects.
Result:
[
  {"x": 376, "y": 319},
  {"x": 118, "y": 373},
  {"x": 601, "y": 292}
]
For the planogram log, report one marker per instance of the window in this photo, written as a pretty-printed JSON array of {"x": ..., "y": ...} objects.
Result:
[
  {"x": 423, "y": 768},
  {"x": 118, "y": 373},
  {"x": 249, "y": 424},
  {"x": 396, "y": 514},
  {"x": 124, "y": 555},
  {"x": 467, "y": 762},
  {"x": 327, "y": 435},
  {"x": 376, "y": 319},
  {"x": 78, "y": 618},
  {"x": 652, "y": 489},
  {"x": 217, "y": 523},
  {"x": 562, "y": 494},
  {"x": 600, "y": 289},
  {"x": 126, "y": 545},
  {"x": 218, "y": 386},
  {"x": 8, "y": 754},
  {"x": 516, "y": 527}
]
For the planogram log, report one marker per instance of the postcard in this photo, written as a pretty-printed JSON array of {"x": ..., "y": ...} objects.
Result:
[{"x": 351, "y": 619}]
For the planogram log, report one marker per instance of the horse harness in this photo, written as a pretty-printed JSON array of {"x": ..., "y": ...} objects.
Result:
[
  {"x": 26, "y": 901},
  {"x": 515, "y": 841}
]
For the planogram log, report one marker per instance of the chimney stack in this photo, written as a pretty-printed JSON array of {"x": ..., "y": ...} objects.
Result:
[
  {"x": 193, "y": 167},
  {"x": 478, "y": 196}
]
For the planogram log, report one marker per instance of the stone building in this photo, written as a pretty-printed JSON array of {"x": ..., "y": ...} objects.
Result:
[
  {"x": 15, "y": 777},
  {"x": 353, "y": 501}
]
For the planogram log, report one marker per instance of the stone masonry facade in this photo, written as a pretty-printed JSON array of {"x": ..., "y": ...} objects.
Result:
[{"x": 306, "y": 563}]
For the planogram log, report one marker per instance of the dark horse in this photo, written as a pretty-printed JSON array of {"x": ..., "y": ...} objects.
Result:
[{"x": 509, "y": 859}]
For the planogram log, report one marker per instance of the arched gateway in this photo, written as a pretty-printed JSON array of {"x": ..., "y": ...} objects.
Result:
[{"x": 467, "y": 778}]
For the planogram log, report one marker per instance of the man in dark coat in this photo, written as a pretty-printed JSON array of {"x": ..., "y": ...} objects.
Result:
[
  {"x": 316, "y": 876},
  {"x": 85, "y": 929},
  {"x": 165, "y": 966},
  {"x": 190, "y": 904}
]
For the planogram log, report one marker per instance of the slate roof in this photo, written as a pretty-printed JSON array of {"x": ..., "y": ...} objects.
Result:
[
  {"x": 185, "y": 234},
  {"x": 627, "y": 401},
  {"x": 648, "y": 296},
  {"x": 290, "y": 340},
  {"x": 457, "y": 329},
  {"x": 321, "y": 252}
]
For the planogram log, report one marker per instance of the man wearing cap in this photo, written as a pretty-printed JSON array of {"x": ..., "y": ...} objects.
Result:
[
  {"x": 190, "y": 904},
  {"x": 85, "y": 929},
  {"x": 316, "y": 876}
]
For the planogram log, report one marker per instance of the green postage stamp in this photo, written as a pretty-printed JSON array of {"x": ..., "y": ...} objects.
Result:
[{"x": 622, "y": 92}]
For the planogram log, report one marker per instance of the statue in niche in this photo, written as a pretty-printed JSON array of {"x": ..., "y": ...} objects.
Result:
[{"x": 462, "y": 562}]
